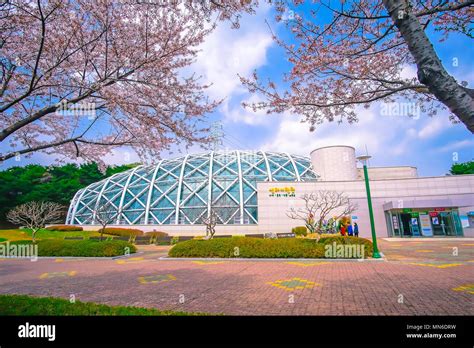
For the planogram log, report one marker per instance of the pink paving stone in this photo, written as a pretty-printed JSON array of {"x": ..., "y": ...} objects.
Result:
[{"x": 240, "y": 287}]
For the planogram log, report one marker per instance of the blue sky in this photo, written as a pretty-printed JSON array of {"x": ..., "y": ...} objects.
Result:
[{"x": 431, "y": 144}]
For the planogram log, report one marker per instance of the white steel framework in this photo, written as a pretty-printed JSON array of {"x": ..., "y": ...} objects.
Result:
[{"x": 184, "y": 190}]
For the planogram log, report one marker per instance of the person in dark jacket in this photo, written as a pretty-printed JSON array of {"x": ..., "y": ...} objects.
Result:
[
  {"x": 350, "y": 230},
  {"x": 356, "y": 229}
]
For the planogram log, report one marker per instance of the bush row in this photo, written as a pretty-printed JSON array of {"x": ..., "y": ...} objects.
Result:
[
  {"x": 156, "y": 234},
  {"x": 300, "y": 230},
  {"x": 338, "y": 239},
  {"x": 91, "y": 248},
  {"x": 246, "y": 247},
  {"x": 123, "y": 232},
  {"x": 65, "y": 228}
]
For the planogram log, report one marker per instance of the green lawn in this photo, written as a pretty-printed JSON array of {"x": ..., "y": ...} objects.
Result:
[
  {"x": 28, "y": 305},
  {"x": 13, "y": 235}
]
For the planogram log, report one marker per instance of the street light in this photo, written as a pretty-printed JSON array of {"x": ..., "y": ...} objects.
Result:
[{"x": 363, "y": 160}]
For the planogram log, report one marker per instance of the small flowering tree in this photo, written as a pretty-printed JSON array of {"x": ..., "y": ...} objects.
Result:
[
  {"x": 210, "y": 222},
  {"x": 318, "y": 206},
  {"x": 35, "y": 215},
  {"x": 105, "y": 215}
]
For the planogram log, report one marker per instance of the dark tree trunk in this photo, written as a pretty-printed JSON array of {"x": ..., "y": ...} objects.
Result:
[{"x": 431, "y": 71}]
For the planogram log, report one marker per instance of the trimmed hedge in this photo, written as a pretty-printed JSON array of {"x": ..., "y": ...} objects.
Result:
[
  {"x": 300, "y": 230},
  {"x": 122, "y": 232},
  {"x": 246, "y": 247},
  {"x": 91, "y": 248},
  {"x": 348, "y": 240},
  {"x": 66, "y": 228},
  {"x": 156, "y": 234},
  {"x": 249, "y": 247}
]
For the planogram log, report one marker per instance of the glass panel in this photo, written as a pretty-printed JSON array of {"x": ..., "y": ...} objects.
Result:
[{"x": 457, "y": 223}]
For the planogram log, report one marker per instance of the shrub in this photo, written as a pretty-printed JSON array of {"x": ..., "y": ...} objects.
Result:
[
  {"x": 300, "y": 230},
  {"x": 349, "y": 240},
  {"x": 156, "y": 234},
  {"x": 330, "y": 235},
  {"x": 249, "y": 247},
  {"x": 65, "y": 228},
  {"x": 246, "y": 247},
  {"x": 123, "y": 232},
  {"x": 61, "y": 247}
]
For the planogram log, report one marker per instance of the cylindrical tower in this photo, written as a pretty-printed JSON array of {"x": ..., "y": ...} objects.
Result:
[{"x": 335, "y": 163}]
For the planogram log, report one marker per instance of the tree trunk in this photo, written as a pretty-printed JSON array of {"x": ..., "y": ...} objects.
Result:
[
  {"x": 430, "y": 69},
  {"x": 33, "y": 234}
]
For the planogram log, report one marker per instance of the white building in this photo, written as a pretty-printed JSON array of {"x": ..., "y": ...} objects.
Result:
[{"x": 240, "y": 186}]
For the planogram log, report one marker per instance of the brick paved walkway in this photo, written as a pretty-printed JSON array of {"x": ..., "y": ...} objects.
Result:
[{"x": 424, "y": 278}]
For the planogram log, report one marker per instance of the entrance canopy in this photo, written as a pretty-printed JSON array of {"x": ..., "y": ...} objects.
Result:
[{"x": 428, "y": 203}]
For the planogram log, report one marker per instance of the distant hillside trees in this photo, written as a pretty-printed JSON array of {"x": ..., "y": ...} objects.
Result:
[
  {"x": 462, "y": 168},
  {"x": 58, "y": 184}
]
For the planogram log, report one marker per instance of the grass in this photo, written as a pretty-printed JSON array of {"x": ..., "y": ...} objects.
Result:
[
  {"x": 29, "y": 305},
  {"x": 13, "y": 235}
]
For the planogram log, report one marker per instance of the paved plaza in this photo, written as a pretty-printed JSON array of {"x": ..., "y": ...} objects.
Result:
[{"x": 418, "y": 277}]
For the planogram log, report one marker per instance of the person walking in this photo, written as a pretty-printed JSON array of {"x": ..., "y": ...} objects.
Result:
[
  {"x": 356, "y": 229},
  {"x": 349, "y": 230}
]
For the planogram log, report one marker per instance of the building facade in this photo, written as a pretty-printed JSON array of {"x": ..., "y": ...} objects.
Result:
[{"x": 251, "y": 193}]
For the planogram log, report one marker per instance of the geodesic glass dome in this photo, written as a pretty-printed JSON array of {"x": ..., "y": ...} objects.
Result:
[{"x": 186, "y": 189}]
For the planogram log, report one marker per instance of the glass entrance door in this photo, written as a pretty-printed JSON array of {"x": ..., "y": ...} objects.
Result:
[
  {"x": 393, "y": 224},
  {"x": 405, "y": 223},
  {"x": 438, "y": 229},
  {"x": 446, "y": 222}
]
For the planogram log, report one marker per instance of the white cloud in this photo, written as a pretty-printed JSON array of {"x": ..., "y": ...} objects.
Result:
[
  {"x": 433, "y": 127},
  {"x": 409, "y": 72},
  {"x": 294, "y": 137},
  {"x": 457, "y": 145},
  {"x": 121, "y": 155},
  {"x": 239, "y": 114},
  {"x": 227, "y": 52},
  {"x": 386, "y": 137}
]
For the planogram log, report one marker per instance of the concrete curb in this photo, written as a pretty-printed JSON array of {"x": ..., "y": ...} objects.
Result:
[
  {"x": 73, "y": 257},
  {"x": 383, "y": 259}
]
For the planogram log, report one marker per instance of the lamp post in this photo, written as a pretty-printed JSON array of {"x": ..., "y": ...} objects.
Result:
[{"x": 376, "y": 253}]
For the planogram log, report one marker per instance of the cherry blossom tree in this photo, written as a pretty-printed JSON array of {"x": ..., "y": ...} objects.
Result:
[
  {"x": 320, "y": 205},
  {"x": 105, "y": 215},
  {"x": 357, "y": 56},
  {"x": 35, "y": 215},
  {"x": 80, "y": 78},
  {"x": 210, "y": 222}
]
